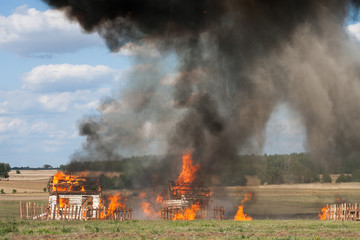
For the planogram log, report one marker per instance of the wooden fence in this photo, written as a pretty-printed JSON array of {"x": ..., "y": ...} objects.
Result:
[
  {"x": 343, "y": 212},
  {"x": 71, "y": 212},
  {"x": 219, "y": 213}
]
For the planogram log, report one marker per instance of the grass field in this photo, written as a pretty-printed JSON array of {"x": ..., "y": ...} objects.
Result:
[{"x": 200, "y": 229}]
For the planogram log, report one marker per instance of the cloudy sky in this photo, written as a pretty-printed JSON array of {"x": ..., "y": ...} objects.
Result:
[{"x": 53, "y": 74}]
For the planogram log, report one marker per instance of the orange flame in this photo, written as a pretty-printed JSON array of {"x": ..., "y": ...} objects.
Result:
[
  {"x": 159, "y": 199},
  {"x": 188, "y": 171},
  {"x": 149, "y": 210},
  {"x": 322, "y": 213},
  {"x": 67, "y": 183},
  {"x": 115, "y": 202},
  {"x": 240, "y": 215},
  {"x": 142, "y": 195},
  {"x": 188, "y": 214},
  {"x": 63, "y": 202}
]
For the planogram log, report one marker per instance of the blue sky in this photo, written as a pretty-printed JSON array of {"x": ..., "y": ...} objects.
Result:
[{"x": 53, "y": 74}]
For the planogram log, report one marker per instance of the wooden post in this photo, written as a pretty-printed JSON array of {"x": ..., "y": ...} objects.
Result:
[
  {"x": 20, "y": 210},
  {"x": 72, "y": 212},
  {"x": 76, "y": 212},
  {"x": 27, "y": 210},
  {"x": 55, "y": 211}
]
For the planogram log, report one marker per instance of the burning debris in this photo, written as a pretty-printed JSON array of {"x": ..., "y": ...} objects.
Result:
[
  {"x": 75, "y": 197},
  {"x": 340, "y": 212},
  {"x": 150, "y": 208},
  {"x": 188, "y": 197},
  {"x": 240, "y": 215}
]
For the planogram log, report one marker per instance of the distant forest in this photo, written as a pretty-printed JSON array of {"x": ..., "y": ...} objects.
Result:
[{"x": 270, "y": 169}]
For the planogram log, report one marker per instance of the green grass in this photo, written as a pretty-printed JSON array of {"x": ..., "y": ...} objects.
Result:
[
  {"x": 10, "y": 209},
  {"x": 200, "y": 229}
]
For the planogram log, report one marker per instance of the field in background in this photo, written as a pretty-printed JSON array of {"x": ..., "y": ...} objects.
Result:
[
  {"x": 29, "y": 185},
  {"x": 269, "y": 201},
  {"x": 201, "y": 229},
  {"x": 290, "y": 201}
]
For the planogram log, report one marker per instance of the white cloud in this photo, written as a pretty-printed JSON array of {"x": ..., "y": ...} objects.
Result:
[
  {"x": 31, "y": 32},
  {"x": 67, "y": 77},
  {"x": 56, "y": 102},
  {"x": 82, "y": 100},
  {"x": 40, "y": 127},
  {"x": 3, "y": 106},
  {"x": 8, "y": 124},
  {"x": 32, "y": 103}
]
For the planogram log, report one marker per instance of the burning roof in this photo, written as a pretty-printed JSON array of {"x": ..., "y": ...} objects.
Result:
[{"x": 71, "y": 184}]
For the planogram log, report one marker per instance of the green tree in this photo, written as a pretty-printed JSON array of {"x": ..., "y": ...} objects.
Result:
[
  {"x": 4, "y": 170},
  {"x": 356, "y": 175},
  {"x": 344, "y": 178},
  {"x": 47, "y": 166}
]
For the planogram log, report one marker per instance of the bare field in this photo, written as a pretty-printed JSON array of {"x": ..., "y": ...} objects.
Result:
[{"x": 29, "y": 185}]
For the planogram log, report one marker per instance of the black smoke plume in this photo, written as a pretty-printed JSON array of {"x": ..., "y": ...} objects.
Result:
[{"x": 237, "y": 60}]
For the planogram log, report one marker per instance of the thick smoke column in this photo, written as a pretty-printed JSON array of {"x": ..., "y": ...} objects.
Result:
[{"x": 237, "y": 61}]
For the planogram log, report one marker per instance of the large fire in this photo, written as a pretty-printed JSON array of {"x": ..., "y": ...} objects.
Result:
[
  {"x": 240, "y": 215},
  {"x": 187, "y": 176},
  {"x": 188, "y": 172},
  {"x": 322, "y": 213},
  {"x": 115, "y": 202},
  {"x": 188, "y": 214},
  {"x": 68, "y": 182},
  {"x": 148, "y": 208}
]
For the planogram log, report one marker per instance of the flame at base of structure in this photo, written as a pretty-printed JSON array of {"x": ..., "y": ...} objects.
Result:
[
  {"x": 240, "y": 215},
  {"x": 115, "y": 203},
  {"x": 149, "y": 210},
  {"x": 322, "y": 213},
  {"x": 188, "y": 214}
]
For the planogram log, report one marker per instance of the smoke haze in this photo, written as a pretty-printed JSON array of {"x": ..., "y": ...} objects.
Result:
[{"x": 237, "y": 60}]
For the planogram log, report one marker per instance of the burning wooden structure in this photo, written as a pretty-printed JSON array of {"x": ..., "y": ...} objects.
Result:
[
  {"x": 78, "y": 191},
  {"x": 73, "y": 197},
  {"x": 341, "y": 212},
  {"x": 188, "y": 198},
  {"x": 35, "y": 211},
  {"x": 189, "y": 201}
]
